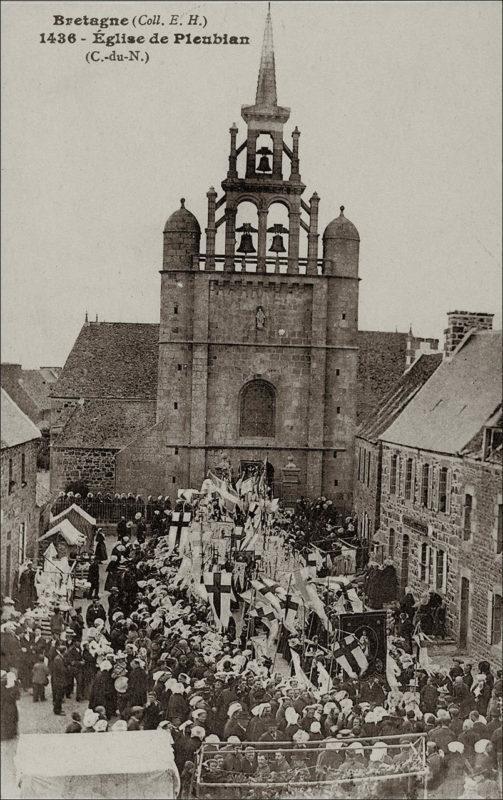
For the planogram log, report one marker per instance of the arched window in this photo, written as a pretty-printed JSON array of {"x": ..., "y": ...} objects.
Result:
[{"x": 257, "y": 407}]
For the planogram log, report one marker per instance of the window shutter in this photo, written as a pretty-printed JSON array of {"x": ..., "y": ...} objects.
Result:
[
  {"x": 448, "y": 489},
  {"x": 444, "y": 579},
  {"x": 429, "y": 499},
  {"x": 490, "y": 613},
  {"x": 432, "y": 576},
  {"x": 420, "y": 561},
  {"x": 436, "y": 487},
  {"x": 413, "y": 482}
]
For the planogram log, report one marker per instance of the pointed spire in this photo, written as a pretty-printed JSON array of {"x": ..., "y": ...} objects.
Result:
[
  {"x": 266, "y": 85},
  {"x": 86, "y": 320}
]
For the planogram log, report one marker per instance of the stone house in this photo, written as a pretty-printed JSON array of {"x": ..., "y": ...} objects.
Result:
[
  {"x": 441, "y": 498},
  {"x": 106, "y": 394},
  {"x": 30, "y": 389},
  {"x": 19, "y": 513},
  {"x": 368, "y": 447}
]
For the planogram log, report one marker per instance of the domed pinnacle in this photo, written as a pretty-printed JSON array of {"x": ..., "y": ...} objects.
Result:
[
  {"x": 342, "y": 211},
  {"x": 182, "y": 202}
]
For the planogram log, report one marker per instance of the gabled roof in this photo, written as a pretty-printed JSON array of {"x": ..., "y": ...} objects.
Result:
[
  {"x": 75, "y": 509},
  {"x": 16, "y": 427},
  {"x": 68, "y": 531},
  {"x": 456, "y": 402},
  {"x": 36, "y": 387},
  {"x": 106, "y": 423},
  {"x": 113, "y": 360},
  {"x": 397, "y": 398}
]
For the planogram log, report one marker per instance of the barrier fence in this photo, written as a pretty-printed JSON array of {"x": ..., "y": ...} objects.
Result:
[
  {"x": 315, "y": 769},
  {"x": 107, "y": 508}
]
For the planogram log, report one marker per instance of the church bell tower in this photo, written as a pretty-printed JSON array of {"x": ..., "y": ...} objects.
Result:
[{"x": 258, "y": 334}]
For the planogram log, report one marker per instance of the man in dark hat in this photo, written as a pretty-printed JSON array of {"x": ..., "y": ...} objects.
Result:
[
  {"x": 74, "y": 664},
  {"x": 94, "y": 612}
]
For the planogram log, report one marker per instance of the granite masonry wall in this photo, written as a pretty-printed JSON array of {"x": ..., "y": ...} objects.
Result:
[
  {"x": 18, "y": 509},
  {"x": 430, "y": 547},
  {"x": 93, "y": 466}
]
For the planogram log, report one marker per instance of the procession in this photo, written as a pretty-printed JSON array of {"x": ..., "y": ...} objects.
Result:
[{"x": 226, "y": 630}]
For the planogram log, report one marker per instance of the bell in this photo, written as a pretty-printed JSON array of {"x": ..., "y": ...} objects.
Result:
[
  {"x": 263, "y": 164},
  {"x": 246, "y": 244},
  {"x": 277, "y": 245}
]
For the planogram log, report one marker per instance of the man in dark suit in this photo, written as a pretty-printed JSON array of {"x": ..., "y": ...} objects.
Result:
[{"x": 58, "y": 680}]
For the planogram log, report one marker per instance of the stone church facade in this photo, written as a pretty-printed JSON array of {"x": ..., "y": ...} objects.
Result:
[
  {"x": 257, "y": 349},
  {"x": 257, "y": 344}
]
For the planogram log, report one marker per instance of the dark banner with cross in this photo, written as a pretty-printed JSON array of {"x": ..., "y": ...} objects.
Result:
[{"x": 369, "y": 628}]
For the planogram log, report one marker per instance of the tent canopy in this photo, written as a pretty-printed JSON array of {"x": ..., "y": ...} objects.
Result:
[
  {"x": 76, "y": 509},
  {"x": 68, "y": 531},
  {"x": 45, "y": 759}
]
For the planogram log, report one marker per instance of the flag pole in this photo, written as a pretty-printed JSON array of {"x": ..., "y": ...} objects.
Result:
[
  {"x": 252, "y": 604},
  {"x": 280, "y": 632}
]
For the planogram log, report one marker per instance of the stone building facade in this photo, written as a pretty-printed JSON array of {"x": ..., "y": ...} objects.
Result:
[
  {"x": 368, "y": 447},
  {"x": 19, "y": 514},
  {"x": 257, "y": 350},
  {"x": 257, "y": 343},
  {"x": 441, "y": 502}
]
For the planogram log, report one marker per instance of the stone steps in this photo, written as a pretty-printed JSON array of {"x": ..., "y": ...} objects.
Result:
[{"x": 443, "y": 647}]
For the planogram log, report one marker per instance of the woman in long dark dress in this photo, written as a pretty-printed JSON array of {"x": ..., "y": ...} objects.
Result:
[
  {"x": 100, "y": 552},
  {"x": 113, "y": 574},
  {"x": 9, "y": 695}
]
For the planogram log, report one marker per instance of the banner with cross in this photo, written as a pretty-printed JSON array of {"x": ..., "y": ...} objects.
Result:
[
  {"x": 218, "y": 586},
  {"x": 178, "y": 534},
  {"x": 350, "y": 656}
]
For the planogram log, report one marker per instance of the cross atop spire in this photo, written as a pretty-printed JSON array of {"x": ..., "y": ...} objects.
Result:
[{"x": 266, "y": 84}]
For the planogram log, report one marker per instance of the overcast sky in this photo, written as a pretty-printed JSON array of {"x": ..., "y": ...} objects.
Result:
[{"x": 399, "y": 110}]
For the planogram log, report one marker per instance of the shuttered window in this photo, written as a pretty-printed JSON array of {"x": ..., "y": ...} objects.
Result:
[
  {"x": 392, "y": 474},
  {"x": 467, "y": 516},
  {"x": 408, "y": 480},
  {"x": 442, "y": 490},
  {"x": 494, "y": 618},
  {"x": 425, "y": 481}
]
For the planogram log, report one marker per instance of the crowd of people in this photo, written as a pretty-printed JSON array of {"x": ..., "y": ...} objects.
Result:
[{"x": 146, "y": 655}]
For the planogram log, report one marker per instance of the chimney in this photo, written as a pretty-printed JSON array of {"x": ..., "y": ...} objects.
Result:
[{"x": 458, "y": 325}]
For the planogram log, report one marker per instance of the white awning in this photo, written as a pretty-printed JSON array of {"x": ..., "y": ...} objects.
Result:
[{"x": 69, "y": 533}]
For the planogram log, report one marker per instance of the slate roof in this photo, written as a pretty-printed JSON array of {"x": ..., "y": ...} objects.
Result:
[
  {"x": 398, "y": 396},
  {"x": 42, "y": 491},
  {"x": 381, "y": 362},
  {"x": 36, "y": 387},
  {"x": 16, "y": 427},
  {"x": 456, "y": 402},
  {"x": 106, "y": 424},
  {"x": 111, "y": 359}
]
